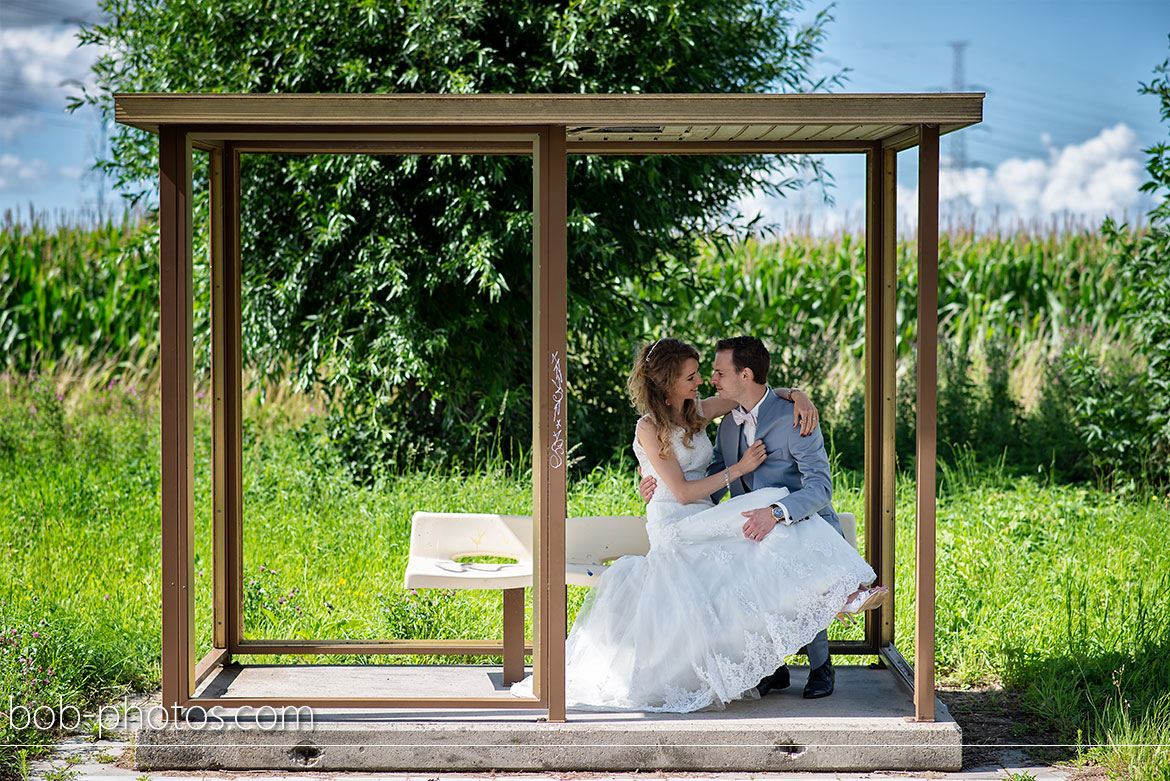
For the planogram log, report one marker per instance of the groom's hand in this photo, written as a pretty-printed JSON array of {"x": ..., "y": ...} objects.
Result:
[{"x": 759, "y": 523}]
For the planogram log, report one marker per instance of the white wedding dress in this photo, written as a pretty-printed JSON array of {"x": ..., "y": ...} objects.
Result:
[{"x": 707, "y": 613}]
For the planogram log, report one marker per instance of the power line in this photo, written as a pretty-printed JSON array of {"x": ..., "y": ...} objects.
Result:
[
  {"x": 24, "y": 13},
  {"x": 958, "y": 141}
]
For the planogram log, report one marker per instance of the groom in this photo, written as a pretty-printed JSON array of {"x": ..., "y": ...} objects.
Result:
[{"x": 798, "y": 463}]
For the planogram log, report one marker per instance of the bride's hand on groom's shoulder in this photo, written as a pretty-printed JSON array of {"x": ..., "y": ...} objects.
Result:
[{"x": 804, "y": 414}]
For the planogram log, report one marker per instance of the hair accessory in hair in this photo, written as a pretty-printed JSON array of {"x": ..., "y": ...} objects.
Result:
[{"x": 656, "y": 341}]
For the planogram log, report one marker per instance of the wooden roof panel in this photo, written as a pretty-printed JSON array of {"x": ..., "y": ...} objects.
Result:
[{"x": 634, "y": 119}]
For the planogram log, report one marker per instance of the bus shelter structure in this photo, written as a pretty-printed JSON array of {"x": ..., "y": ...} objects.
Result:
[{"x": 548, "y": 128}]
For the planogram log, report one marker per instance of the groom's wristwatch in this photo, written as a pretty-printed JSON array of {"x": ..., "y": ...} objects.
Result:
[{"x": 778, "y": 513}]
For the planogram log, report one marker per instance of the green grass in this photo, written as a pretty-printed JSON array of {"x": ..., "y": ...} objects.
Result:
[{"x": 1057, "y": 591}]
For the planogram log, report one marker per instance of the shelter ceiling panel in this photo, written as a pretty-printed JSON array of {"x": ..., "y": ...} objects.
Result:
[
  {"x": 810, "y": 133},
  {"x": 875, "y": 132},
  {"x": 729, "y": 133}
]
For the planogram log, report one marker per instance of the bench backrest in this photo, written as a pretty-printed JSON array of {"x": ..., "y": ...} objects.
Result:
[
  {"x": 589, "y": 539},
  {"x": 849, "y": 526},
  {"x": 601, "y": 538},
  {"x": 594, "y": 539},
  {"x": 457, "y": 535}
]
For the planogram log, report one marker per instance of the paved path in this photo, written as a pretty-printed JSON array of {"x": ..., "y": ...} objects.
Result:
[{"x": 111, "y": 759}]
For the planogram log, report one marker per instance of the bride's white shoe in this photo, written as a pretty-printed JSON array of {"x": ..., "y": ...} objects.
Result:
[{"x": 861, "y": 600}]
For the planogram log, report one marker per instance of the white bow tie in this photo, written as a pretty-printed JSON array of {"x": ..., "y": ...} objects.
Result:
[{"x": 739, "y": 416}]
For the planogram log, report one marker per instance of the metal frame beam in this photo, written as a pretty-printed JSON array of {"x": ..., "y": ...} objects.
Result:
[
  {"x": 549, "y": 149},
  {"x": 177, "y": 375},
  {"x": 549, "y": 413},
  {"x": 880, "y": 362},
  {"x": 927, "y": 445}
]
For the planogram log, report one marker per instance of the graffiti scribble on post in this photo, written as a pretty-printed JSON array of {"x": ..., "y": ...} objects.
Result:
[{"x": 556, "y": 451}]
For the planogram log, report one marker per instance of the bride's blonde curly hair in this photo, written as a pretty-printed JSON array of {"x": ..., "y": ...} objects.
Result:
[{"x": 657, "y": 367}]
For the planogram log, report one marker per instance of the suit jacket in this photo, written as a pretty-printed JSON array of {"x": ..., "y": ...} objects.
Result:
[{"x": 797, "y": 463}]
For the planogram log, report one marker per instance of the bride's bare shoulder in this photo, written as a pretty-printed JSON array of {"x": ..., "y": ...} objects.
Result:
[{"x": 646, "y": 431}]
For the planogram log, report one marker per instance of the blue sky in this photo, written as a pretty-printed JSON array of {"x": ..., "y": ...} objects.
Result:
[
  {"x": 1063, "y": 124},
  {"x": 1062, "y": 133}
]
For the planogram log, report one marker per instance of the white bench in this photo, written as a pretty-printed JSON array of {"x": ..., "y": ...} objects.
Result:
[{"x": 438, "y": 542}]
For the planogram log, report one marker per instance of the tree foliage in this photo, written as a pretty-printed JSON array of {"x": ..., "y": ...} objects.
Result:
[
  {"x": 1145, "y": 256},
  {"x": 406, "y": 278}
]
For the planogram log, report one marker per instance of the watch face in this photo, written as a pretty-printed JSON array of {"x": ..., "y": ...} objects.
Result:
[{"x": 777, "y": 513}]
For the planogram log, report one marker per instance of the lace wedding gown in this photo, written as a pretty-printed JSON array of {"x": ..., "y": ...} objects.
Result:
[{"x": 707, "y": 613}]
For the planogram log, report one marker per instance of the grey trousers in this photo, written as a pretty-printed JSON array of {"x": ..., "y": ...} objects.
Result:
[{"x": 818, "y": 650}]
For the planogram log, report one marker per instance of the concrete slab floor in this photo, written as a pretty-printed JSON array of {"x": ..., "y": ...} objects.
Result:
[
  {"x": 863, "y": 726},
  {"x": 85, "y": 758}
]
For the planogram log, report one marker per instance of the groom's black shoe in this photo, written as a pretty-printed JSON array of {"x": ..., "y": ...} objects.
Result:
[
  {"x": 774, "y": 682},
  {"x": 820, "y": 681}
]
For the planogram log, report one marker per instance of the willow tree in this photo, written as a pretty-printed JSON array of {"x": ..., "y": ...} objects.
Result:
[{"x": 405, "y": 279}]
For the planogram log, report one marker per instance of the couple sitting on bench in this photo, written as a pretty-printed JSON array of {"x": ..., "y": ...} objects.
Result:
[{"x": 726, "y": 591}]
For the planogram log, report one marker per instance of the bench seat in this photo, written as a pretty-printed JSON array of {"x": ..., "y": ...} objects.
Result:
[{"x": 440, "y": 541}]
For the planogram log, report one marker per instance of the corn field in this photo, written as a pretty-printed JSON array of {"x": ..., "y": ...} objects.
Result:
[
  {"x": 78, "y": 293},
  {"x": 91, "y": 292},
  {"x": 1025, "y": 290}
]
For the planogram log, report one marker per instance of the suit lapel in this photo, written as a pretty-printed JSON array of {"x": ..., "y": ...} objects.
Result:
[
  {"x": 743, "y": 445},
  {"x": 731, "y": 440},
  {"x": 766, "y": 417}
]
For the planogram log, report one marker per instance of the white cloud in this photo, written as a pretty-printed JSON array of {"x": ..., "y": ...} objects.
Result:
[
  {"x": 804, "y": 212},
  {"x": 43, "y": 56},
  {"x": 19, "y": 173},
  {"x": 12, "y": 126},
  {"x": 41, "y": 66},
  {"x": 1085, "y": 182},
  {"x": 1088, "y": 181}
]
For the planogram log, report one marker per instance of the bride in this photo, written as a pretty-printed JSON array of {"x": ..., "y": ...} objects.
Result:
[{"x": 707, "y": 613}]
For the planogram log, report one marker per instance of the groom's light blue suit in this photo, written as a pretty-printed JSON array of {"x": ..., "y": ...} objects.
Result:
[{"x": 797, "y": 463}]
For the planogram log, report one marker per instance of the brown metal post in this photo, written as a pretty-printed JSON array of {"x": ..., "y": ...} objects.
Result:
[
  {"x": 875, "y": 359},
  {"x": 549, "y": 434},
  {"x": 177, "y": 484},
  {"x": 226, "y": 394},
  {"x": 513, "y": 634},
  {"x": 219, "y": 609},
  {"x": 233, "y": 432},
  {"x": 884, "y": 620},
  {"x": 924, "y": 576}
]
